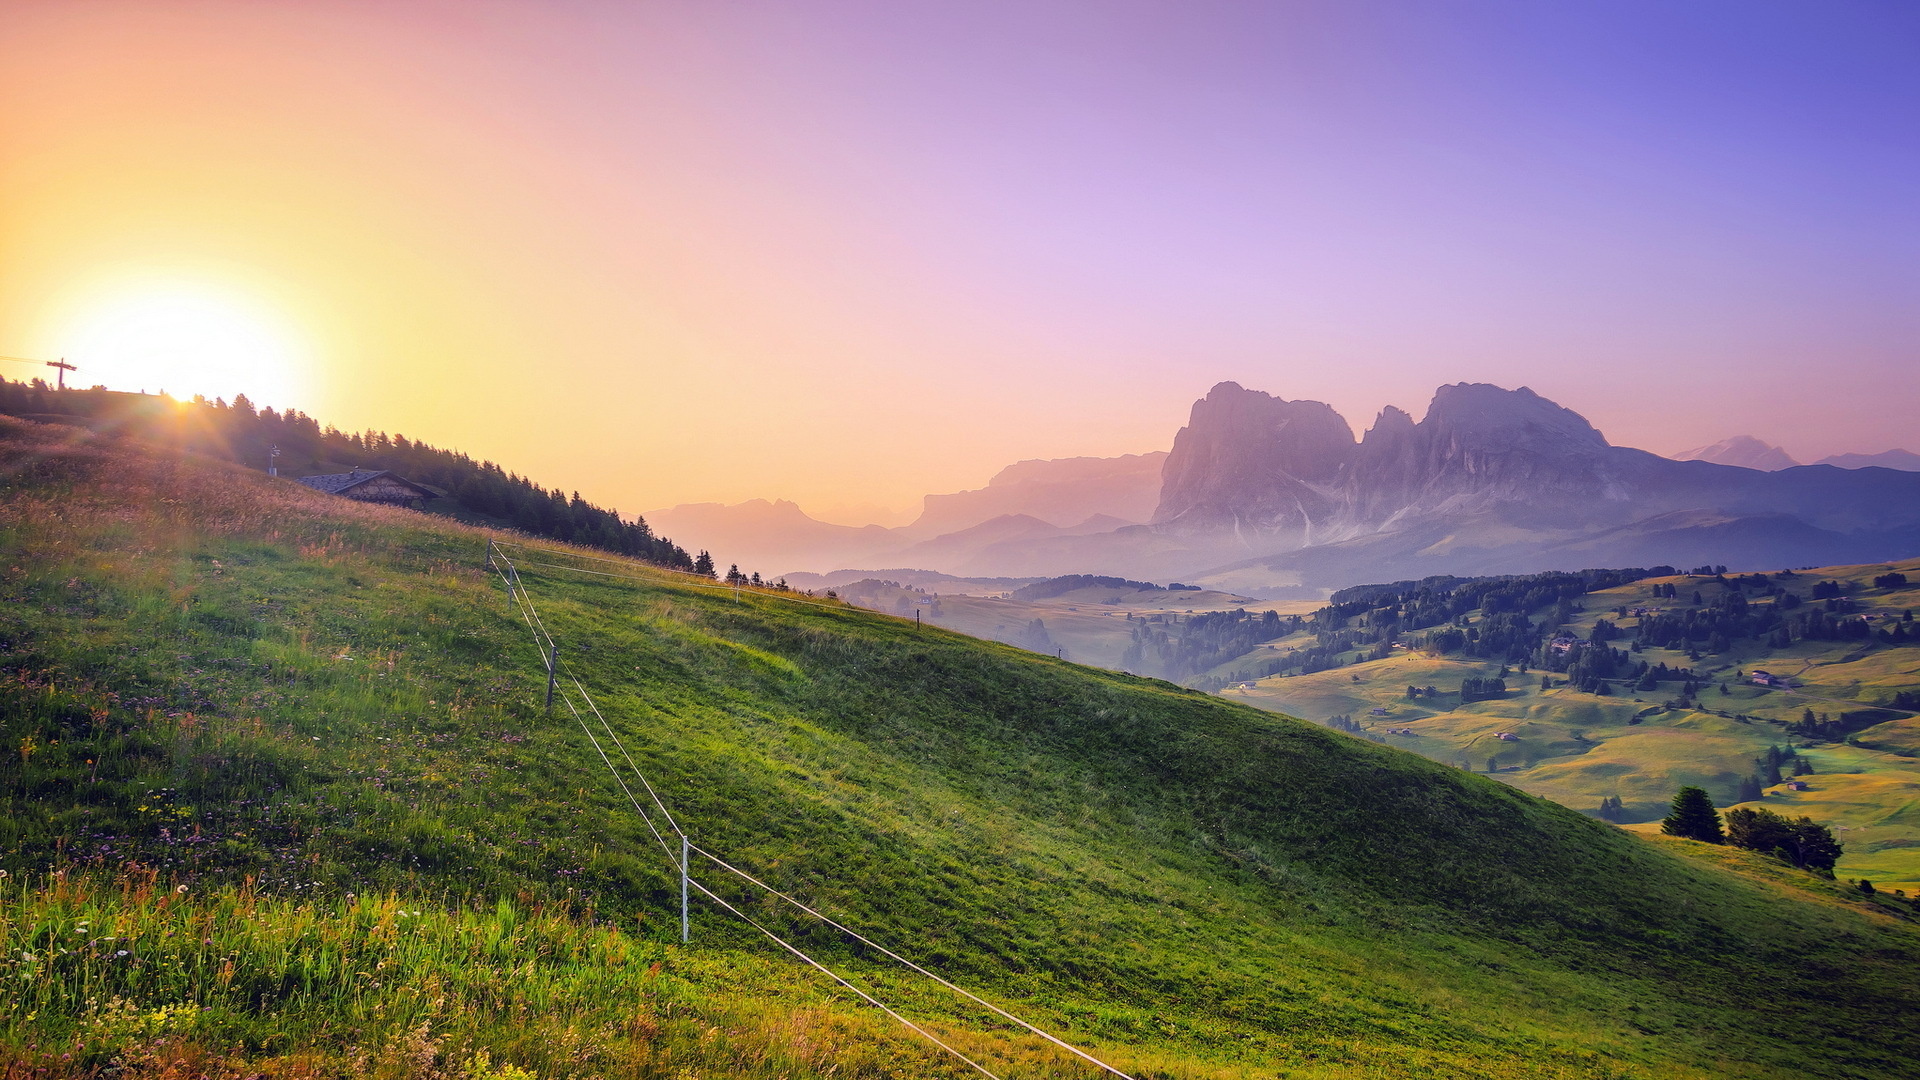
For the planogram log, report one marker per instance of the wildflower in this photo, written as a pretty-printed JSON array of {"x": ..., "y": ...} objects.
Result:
[
  {"x": 180, "y": 888},
  {"x": 119, "y": 954}
]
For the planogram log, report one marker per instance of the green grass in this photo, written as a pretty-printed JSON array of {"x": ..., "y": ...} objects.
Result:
[
  {"x": 1577, "y": 748},
  {"x": 277, "y": 699}
]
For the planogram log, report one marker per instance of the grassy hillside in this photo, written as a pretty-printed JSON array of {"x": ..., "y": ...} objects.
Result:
[
  {"x": 280, "y": 796},
  {"x": 1640, "y": 741}
]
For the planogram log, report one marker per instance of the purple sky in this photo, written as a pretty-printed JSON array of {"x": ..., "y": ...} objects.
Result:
[{"x": 849, "y": 253}]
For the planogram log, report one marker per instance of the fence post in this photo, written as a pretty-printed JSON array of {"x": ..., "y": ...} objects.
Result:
[
  {"x": 686, "y": 846},
  {"x": 553, "y": 664}
]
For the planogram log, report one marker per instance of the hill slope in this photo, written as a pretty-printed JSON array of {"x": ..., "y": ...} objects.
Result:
[
  {"x": 226, "y": 678},
  {"x": 1656, "y": 680}
]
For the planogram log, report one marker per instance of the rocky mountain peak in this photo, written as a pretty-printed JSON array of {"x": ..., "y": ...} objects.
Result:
[
  {"x": 1246, "y": 449},
  {"x": 1481, "y": 412},
  {"x": 1743, "y": 450},
  {"x": 1393, "y": 425}
]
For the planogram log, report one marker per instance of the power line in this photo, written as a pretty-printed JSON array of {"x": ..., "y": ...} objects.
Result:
[
  {"x": 835, "y": 976},
  {"x": 603, "y": 754},
  {"x": 526, "y": 610},
  {"x": 61, "y": 364},
  {"x": 524, "y": 602},
  {"x": 724, "y": 865}
]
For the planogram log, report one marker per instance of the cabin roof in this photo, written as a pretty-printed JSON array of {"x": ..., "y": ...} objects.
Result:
[{"x": 344, "y": 483}]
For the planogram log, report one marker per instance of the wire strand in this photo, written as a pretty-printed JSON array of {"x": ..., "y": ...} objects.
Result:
[
  {"x": 673, "y": 825},
  {"x": 531, "y": 615},
  {"x": 857, "y": 936},
  {"x": 836, "y": 977},
  {"x": 568, "y": 701},
  {"x": 637, "y": 771}
]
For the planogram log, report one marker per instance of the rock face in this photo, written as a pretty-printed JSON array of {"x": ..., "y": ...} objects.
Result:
[
  {"x": 1489, "y": 481},
  {"x": 1745, "y": 451},
  {"x": 1250, "y": 460},
  {"x": 1268, "y": 495}
]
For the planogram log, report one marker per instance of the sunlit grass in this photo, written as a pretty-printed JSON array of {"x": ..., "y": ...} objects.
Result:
[{"x": 278, "y": 700}]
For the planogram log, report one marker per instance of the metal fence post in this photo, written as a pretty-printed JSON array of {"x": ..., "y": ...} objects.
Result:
[{"x": 553, "y": 665}]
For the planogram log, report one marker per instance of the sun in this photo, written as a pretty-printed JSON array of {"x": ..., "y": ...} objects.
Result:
[{"x": 186, "y": 339}]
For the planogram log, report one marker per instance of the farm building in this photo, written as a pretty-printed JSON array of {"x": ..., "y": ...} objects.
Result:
[{"x": 375, "y": 486}]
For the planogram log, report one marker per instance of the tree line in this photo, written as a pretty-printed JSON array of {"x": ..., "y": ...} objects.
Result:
[
  {"x": 240, "y": 433},
  {"x": 1802, "y": 842}
]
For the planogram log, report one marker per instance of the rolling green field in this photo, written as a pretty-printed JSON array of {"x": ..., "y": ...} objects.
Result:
[
  {"x": 1578, "y": 748},
  {"x": 281, "y": 797}
]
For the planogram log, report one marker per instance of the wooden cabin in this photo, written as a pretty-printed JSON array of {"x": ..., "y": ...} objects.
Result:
[{"x": 371, "y": 485}]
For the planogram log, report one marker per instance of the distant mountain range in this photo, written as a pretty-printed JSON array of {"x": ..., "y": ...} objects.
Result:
[
  {"x": 1026, "y": 501},
  {"x": 1743, "y": 450},
  {"x": 1750, "y": 453},
  {"x": 1273, "y": 497}
]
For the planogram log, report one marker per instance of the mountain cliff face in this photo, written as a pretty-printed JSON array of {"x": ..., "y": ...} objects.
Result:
[
  {"x": 1266, "y": 495},
  {"x": 1250, "y": 460},
  {"x": 1490, "y": 481}
]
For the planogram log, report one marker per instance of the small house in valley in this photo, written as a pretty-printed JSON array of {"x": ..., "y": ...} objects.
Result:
[{"x": 374, "y": 486}]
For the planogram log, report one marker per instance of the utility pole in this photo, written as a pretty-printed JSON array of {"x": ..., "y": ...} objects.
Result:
[
  {"x": 60, "y": 376},
  {"x": 553, "y": 668}
]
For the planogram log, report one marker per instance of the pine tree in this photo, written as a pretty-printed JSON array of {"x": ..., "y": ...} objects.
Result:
[
  {"x": 703, "y": 565},
  {"x": 1693, "y": 817}
]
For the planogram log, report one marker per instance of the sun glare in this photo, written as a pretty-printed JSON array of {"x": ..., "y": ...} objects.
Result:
[{"x": 187, "y": 340}]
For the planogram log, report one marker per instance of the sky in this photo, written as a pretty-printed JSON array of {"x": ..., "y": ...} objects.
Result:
[{"x": 852, "y": 253}]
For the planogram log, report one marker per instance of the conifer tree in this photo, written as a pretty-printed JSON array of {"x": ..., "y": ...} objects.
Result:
[{"x": 1693, "y": 817}]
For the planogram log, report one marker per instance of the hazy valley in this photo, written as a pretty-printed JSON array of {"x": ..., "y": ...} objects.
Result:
[{"x": 1279, "y": 499}]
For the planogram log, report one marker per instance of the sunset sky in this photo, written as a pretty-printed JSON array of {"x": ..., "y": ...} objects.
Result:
[{"x": 851, "y": 253}]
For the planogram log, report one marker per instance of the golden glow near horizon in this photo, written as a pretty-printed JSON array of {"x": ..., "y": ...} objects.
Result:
[
  {"x": 186, "y": 338},
  {"x": 849, "y": 255}
]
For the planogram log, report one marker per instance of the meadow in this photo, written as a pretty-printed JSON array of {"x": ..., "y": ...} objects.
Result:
[
  {"x": 281, "y": 796},
  {"x": 1639, "y": 746}
]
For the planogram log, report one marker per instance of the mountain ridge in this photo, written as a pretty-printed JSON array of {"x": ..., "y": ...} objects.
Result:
[
  {"x": 1489, "y": 481},
  {"x": 1742, "y": 450}
]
